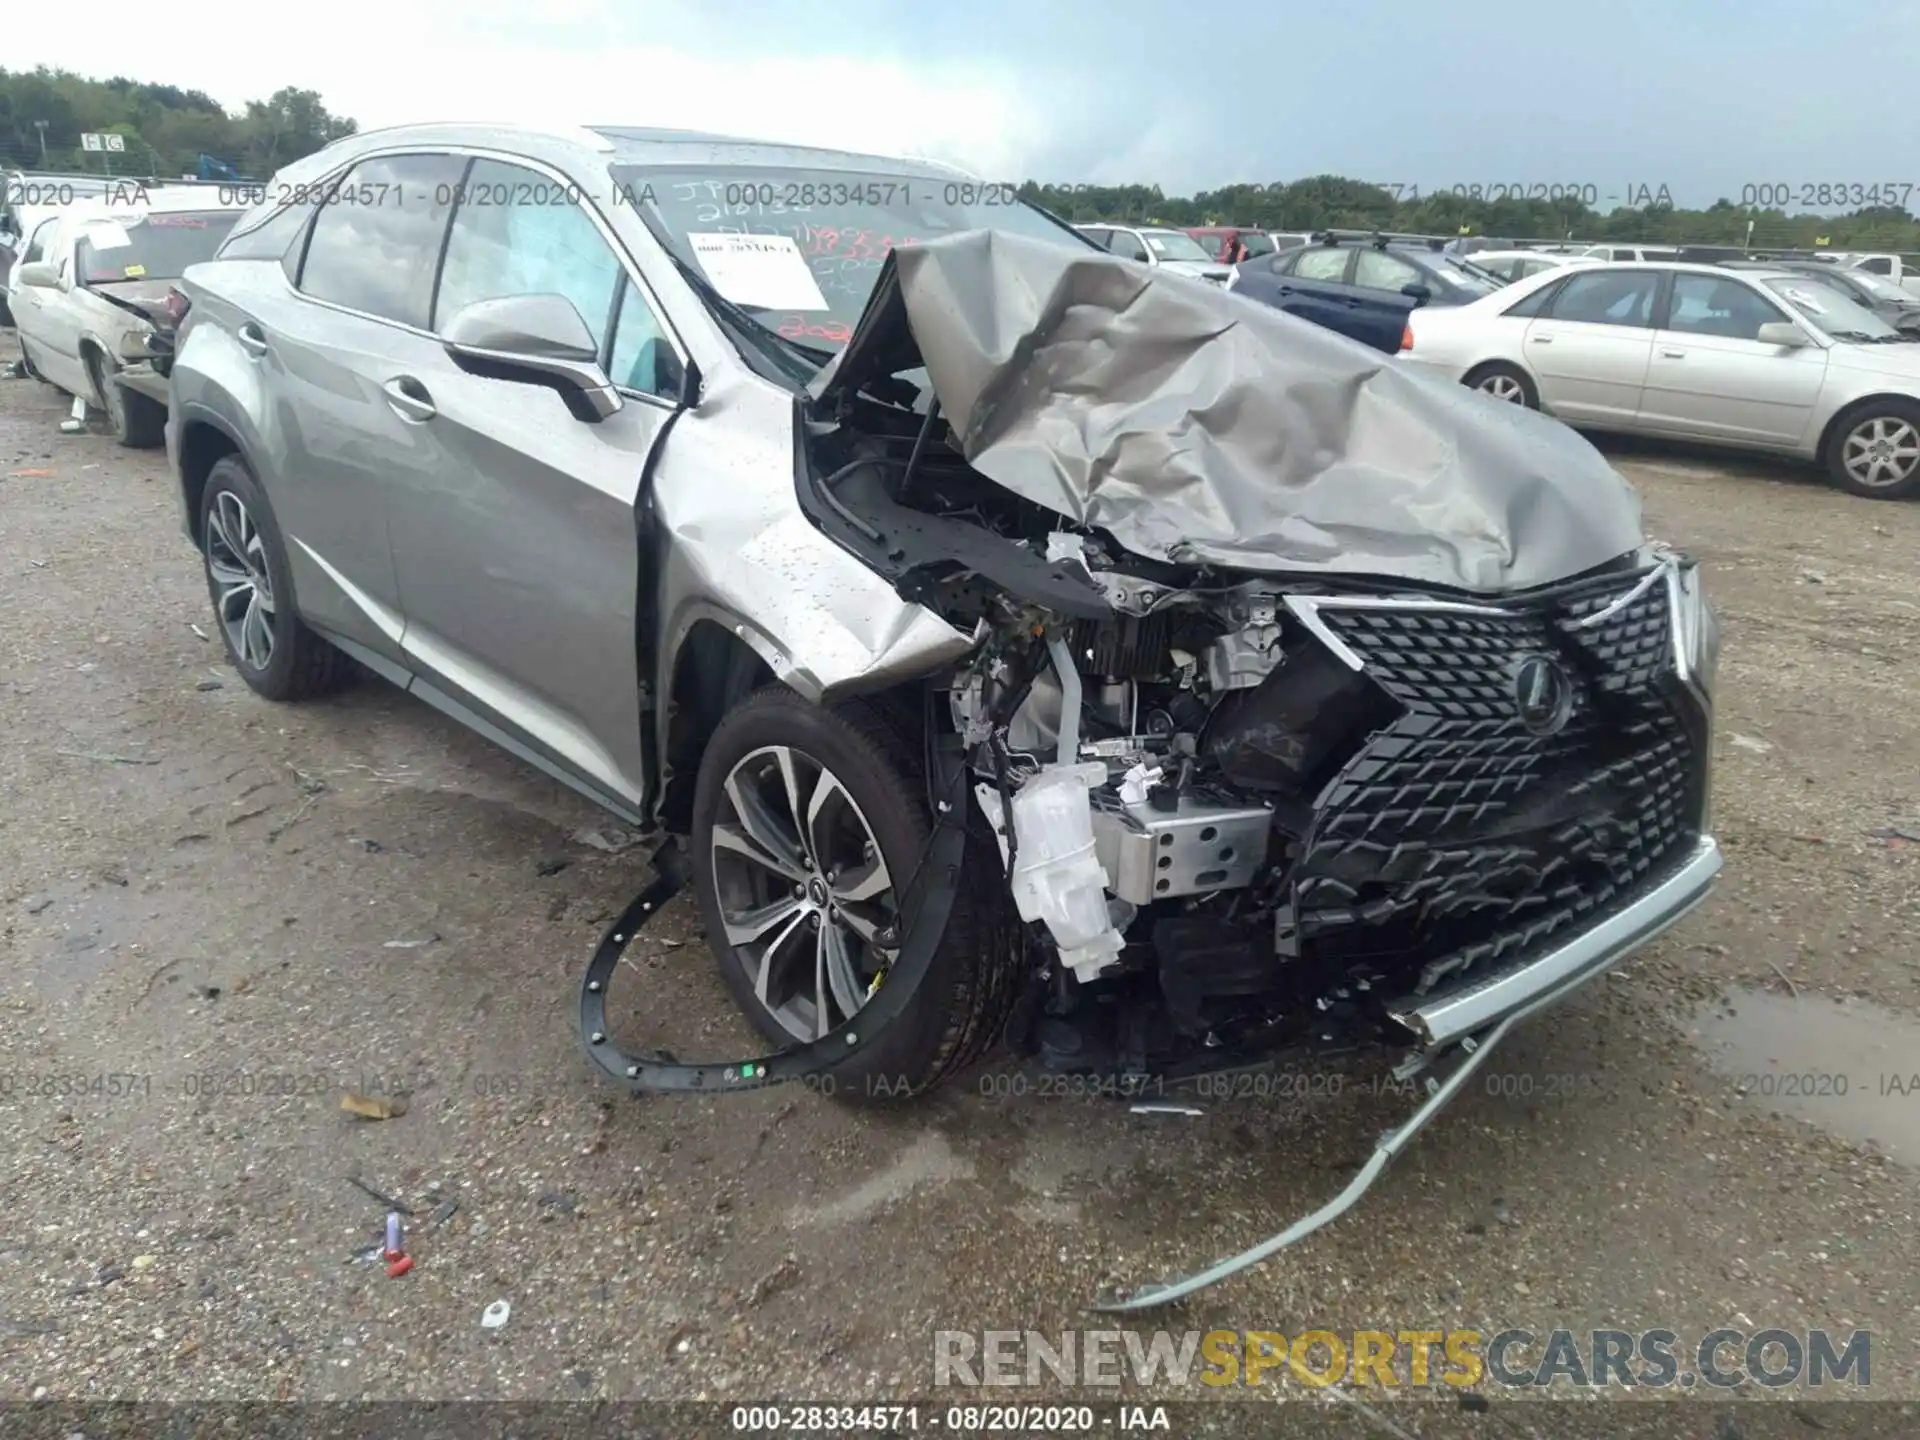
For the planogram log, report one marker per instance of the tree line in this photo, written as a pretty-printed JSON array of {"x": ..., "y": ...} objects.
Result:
[
  {"x": 165, "y": 130},
  {"x": 1335, "y": 202}
]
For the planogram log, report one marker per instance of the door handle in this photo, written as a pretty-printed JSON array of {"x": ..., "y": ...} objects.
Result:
[
  {"x": 408, "y": 398},
  {"x": 252, "y": 339},
  {"x": 1540, "y": 339},
  {"x": 1674, "y": 354}
]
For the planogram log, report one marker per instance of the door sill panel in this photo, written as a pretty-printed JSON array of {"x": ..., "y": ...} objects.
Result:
[{"x": 413, "y": 684}]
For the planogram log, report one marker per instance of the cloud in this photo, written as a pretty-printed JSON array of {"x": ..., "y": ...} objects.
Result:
[{"x": 389, "y": 64}]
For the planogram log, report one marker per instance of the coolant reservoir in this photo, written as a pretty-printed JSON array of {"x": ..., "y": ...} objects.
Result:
[{"x": 1057, "y": 878}]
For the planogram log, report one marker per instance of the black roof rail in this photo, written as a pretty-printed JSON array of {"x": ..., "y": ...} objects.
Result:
[{"x": 1383, "y": 238}]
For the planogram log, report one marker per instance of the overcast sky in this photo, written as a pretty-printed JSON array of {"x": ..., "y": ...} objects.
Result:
[{"x": 1703, "y": 96}]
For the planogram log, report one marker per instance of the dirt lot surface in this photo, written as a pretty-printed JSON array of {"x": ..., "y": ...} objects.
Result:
[{"x": 234, "y": 912}]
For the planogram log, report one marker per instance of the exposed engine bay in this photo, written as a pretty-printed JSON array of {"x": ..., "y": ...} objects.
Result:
[
  {"x": 1309, "y": 705},
  {"x": 1247, "y": 815}
]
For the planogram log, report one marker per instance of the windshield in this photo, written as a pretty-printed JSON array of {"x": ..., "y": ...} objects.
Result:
[
  {"x": 1256, "y": 243},
  {"x": 1878, "y": 286},
  {"x": 1829, "y": 308},
  {"x": 1174, "y": 245},
  {"x": 150, "y": 247},
  {"x": 796, "y": 252}
]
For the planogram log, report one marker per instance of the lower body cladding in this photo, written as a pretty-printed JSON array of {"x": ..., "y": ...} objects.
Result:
[{"x": 1249, "y": 825}]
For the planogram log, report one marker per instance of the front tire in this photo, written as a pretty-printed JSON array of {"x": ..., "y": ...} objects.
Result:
[
  {"x": 1874, "y": 451},
  {"x": 252, "y": 591},
  {"x": 808, "y": 822},
  {"x": 1500, "y": 381},
  {"x": 137, "y": 422}
]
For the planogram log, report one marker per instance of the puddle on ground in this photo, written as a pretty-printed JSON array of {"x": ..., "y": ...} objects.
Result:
[{"x": 1848, "y": 1066}]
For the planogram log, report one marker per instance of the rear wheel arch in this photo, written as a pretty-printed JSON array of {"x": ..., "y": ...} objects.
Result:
[{"x": 203, "y": 445}]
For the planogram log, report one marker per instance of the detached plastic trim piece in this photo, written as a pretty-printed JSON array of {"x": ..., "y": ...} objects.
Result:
[
  {"x": 1607, "y": 944},
  {"x": 927, "y": 905}
]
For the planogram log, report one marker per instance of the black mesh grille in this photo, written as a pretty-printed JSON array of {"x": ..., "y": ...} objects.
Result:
[{"x": 1458, "y": 833}]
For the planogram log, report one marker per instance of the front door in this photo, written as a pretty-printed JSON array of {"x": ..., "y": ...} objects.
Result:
[
  {"x": 516, "y": 546},
  {"x": 1712, "y": 379}
]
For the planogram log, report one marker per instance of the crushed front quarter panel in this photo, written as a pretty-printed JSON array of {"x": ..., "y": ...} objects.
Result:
[{"x": 1196, "y": 426}]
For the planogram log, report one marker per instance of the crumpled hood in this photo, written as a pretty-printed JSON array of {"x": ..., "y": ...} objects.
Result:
[{"x": 1198, "y": 426}]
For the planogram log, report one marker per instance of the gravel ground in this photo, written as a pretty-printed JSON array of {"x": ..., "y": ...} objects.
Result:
[{"x": 242, "y": 910}]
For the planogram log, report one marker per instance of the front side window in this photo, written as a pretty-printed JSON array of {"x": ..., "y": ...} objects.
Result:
[
  {"x": 1612, "y": 297},
  {"x": 376, "y": 241},
  {"x": 1708, "y": 305},
  {"x": 1878, "y": 265},
  {"x": 642, "y": 358},
  {"x": 37, "y": 246},
  {"x": 518, "y": 232},
  {"x": 1322, "y": 265}
]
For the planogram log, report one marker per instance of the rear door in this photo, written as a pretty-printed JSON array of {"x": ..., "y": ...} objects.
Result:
[
  {"x": 515, "y": 534},
  {"x": 1590, "y": 347},
  {"x": 1710, "y": 378},
  {"x": 335, "y": 448},
  {"x": 1314, "y": 284}
]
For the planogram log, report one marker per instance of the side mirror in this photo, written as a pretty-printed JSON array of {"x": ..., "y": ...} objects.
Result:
[
  {"x": 40, "y": 274},
  {"x": 1783, "y": 333},
  {"x": 533, "y": 340},
  {"x": 1417, "y": 293}
]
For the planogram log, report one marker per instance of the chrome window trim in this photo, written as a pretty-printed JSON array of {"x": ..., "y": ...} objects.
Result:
[{"x": 621, "y": 254}]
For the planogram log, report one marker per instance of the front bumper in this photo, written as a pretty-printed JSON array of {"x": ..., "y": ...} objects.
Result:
[
  {"x": 1478, "y": 1017},
  {"x": 1438, "y": 1020},
  {"x": 141, "y": 378}
]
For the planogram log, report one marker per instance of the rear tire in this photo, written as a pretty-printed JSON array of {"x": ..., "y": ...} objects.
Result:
[
  {"x": 1498, "y": 380},
  {"x": 252, "y": 591},
  {"x": 860, "y": 780},
  {"x": 137, "y": 422},
  {"x": 1873, "y": 450}
]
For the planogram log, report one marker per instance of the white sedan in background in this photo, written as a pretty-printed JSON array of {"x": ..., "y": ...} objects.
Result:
[{"x": 1756, "y": 360}]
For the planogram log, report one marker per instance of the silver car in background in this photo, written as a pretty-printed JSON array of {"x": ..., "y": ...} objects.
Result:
[
  {"x": 1750, "y": 359},
  {"x": 1173, "y": 251}
]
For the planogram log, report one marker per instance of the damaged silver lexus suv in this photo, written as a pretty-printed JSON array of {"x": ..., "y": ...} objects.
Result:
[{"x": 1011, "y": 641}]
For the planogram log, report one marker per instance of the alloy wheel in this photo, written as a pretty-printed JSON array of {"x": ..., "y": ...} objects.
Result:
[
  {"x": 1881, "y": 451},
  {"x": 1504, "y": 387},
  {"x": 805, "y": 897},
  {"x": 243, "y": 598}
]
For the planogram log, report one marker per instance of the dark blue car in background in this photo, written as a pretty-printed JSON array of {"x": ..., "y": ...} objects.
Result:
[{"x": 1363, "y": 285}]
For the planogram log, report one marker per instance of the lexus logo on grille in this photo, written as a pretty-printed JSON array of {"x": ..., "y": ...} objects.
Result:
[{"x": 1542, "y": 694}]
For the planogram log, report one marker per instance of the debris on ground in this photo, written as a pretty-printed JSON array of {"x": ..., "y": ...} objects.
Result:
[
  {"x": 106, "y": 759},
  {"x": 210, "y": 685},
  {"x": 42, "y": 473},
  {"x": 1897, "y": 832},
  {"x": 611, "y": 841},
  {"x": 1749, "y": 742},
  {"x": 373, "y": 1107},
  {"x": 495, "y": 1315},
  {"x": 412, "y": 944},
  {"x": 1165, "y": 1110},
  {"x": 552, "y": 865},
  {"x": 442, "y": 1213},
  {"x": 386, "y": 1200},
  {"x": 198, "y": 631}
]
